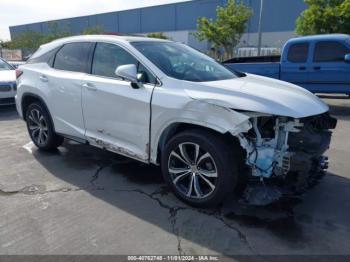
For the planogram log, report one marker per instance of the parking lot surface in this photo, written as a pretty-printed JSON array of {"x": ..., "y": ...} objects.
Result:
[{"x": 82, "y": 200}]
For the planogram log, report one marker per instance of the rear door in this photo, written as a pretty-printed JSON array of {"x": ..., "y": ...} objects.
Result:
[
  {"x": 117, "y": 116},
  {"x": 64, "y": 87},
  {"x": 329, "y": 73},
  {"x": 294, "y": 64}
]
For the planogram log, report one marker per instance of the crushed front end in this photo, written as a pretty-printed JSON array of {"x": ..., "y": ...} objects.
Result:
[{"x": 284, "y": 155}]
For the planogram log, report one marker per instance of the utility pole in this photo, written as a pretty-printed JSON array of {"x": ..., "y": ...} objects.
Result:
[{"x": 260, "y": 26}]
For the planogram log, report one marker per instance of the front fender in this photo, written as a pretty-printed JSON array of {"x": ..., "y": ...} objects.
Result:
[{"x": 200, "y": 113}]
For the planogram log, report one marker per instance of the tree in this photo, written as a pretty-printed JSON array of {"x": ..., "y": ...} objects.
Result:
[
  {"x": 28, "y": 39},
  {"x": 96, "y": 30},
  {"x": 33, "y": 39},
  {"x": 159, "y": 35},
  {"x": 324, "y": 17},
  {"x": 227, "y": 29}
]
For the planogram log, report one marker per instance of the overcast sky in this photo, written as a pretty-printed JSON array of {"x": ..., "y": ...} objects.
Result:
[{"x": 17, "y": 12}]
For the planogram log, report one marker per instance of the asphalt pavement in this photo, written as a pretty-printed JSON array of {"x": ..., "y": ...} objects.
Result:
[{"x": 82, "y": 200}]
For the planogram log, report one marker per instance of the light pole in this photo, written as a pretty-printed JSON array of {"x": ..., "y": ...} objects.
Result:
[{"x": 260, "y": 26}]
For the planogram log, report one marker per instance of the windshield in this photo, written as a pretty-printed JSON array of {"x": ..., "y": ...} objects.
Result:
[
  {"x": 4, "y": 66},
  {"x": 182, "y": 62}
]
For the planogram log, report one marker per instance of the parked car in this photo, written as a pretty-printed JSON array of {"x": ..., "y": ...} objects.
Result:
[
  {"x": 320, "y": 63},
  {"x": 16, "y": 64},
  {"x": 7, "y": 83},
  {"x": 164, "y": 103}
]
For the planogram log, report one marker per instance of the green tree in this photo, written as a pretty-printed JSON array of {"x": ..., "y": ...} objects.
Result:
[
  {"x": 96, "y": 30},
  {"x": 159, "y": 35},
  {"x": 324, "y": 17},
  {"x": 227, "y": 29},
  {"x": 28, "y": 39},
  {"x": 33, "y": 39}
]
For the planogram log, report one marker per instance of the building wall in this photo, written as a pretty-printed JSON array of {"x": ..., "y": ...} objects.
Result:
[{"x": 278, "y": 17}]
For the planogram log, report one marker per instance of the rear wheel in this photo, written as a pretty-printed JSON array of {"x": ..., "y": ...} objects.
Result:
[
  {"x": 200, "y": 167},
  {"x": 40, "y": 127}
]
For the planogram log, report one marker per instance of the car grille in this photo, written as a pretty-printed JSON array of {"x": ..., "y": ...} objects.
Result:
[
  {"x": 6, "y": 87},
  {"x": 7, "y": 101}
]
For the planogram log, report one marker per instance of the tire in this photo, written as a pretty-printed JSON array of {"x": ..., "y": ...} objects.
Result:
[
  {"x": 215, "y": 162},
  {"x": 41, "y": 129}
]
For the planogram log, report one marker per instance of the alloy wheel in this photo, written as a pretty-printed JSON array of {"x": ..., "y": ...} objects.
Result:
[
  {"x": 193, "y": 171},
  {"x": 38, "y": 127}
]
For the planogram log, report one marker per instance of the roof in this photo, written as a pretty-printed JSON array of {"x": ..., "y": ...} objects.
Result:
[
  {"x": 109, "y": 37},
  {"x": 341, "y": 37},
  {"x": 93, "y": 38}
]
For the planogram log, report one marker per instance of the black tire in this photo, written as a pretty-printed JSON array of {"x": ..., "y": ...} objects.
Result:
[
  {"x": 52, "y": 140},
  {"x": 221, "y": 153}
]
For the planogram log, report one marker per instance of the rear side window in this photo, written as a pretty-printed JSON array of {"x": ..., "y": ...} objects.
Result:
[
  {"x": 47, "y": 57},
  {"x": 73, "y": 57},
  {"x": 298, "y": 53},
  {"x": 108, "y": 57},
  {"x": 330, "y": 51}
]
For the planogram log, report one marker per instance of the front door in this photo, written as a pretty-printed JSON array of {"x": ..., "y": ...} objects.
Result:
[
  {"x": 294, "y": 65},
  {"x": 117, "y": 116},
  {"x": 329, "y": 72}
]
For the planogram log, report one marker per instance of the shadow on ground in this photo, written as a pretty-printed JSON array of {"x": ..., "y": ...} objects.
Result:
[
  {"x": 115, "y": 174},
  {"x": 106, "y": 176},
  {"x": 8, "y": 113}
]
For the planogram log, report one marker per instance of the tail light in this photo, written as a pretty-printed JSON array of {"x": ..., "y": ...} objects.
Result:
[{"x": 18, "y": 73}]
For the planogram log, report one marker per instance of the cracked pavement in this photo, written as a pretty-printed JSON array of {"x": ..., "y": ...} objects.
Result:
[{"x": 82, "y": 200}]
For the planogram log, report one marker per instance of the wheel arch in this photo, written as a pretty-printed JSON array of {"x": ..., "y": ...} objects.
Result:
[
  {"x": 177, "y": 127},
  {"x": 29, "y": 98}
]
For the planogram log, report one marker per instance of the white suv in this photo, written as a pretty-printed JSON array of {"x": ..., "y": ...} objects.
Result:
[{"x": 164, "y": 103}]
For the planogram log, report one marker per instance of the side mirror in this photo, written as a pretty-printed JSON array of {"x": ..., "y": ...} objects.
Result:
[
  {"x": 128, "y": 72},
  {"x": 347, "y": 58}
]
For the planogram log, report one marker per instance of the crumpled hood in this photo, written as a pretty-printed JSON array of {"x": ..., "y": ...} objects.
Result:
[
  {"x": 7, "y": 76},
  {"x": 258, "y": 94}
]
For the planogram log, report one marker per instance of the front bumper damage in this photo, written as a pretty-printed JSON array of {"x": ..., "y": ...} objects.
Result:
[{"x": 284, "y": 156}]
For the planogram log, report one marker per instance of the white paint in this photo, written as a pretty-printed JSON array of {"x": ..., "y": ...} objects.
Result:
[
  {"x": 117, "y": 117},
  {"x": 29, "y": 147},
  {"x": 7, "y": 76}
]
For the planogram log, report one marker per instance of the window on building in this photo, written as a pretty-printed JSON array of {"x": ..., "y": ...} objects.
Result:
[
  {"x": 330, "y": 51},
  {"x": 108, "y": 57},
  {"x": 73, "y": 57},
  {"x": 298, "y": 53}
]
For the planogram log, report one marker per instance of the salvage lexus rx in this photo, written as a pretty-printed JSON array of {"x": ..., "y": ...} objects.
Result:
[{"x": 212, "y": 131}]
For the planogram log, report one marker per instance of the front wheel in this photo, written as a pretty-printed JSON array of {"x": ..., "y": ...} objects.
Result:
[
  {"x": 200, "y": 167},
  {"x": 40, "y": 128}
]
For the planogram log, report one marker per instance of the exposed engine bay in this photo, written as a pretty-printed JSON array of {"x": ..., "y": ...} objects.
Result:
[{"x": 285, "y": 155}]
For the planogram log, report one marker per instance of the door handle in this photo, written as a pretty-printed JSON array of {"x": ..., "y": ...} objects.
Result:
[
  {"x": 317, "y": 67},
  {"x": 43, "y": 78},
  {"x": 302, "y": 68},
  {"x": 90, "y": 87}
]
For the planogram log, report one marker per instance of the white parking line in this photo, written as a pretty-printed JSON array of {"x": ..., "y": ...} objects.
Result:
[{"x": 29, "y": 147}]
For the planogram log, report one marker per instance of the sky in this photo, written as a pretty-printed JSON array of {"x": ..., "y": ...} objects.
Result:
[{"x": 17, "y": 12}]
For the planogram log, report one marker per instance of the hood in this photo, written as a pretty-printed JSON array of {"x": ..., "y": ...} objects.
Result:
[
  {"x": 258, "y": 94},
  {"x": 7, "y": 76}
]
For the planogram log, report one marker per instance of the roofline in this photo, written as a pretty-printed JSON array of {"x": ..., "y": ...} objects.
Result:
[
  {"x": 103, "y": 13},
  {"x": 343, "y": 36}
]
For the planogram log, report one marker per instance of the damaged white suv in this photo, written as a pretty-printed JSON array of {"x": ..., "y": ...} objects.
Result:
[{"x": 212, "y": 131}]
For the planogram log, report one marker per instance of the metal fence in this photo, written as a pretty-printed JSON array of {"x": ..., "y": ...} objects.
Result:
[{"x": 15, "y": 54}]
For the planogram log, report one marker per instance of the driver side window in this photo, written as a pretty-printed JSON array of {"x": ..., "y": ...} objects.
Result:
[{"x": 108, "y": 57}]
